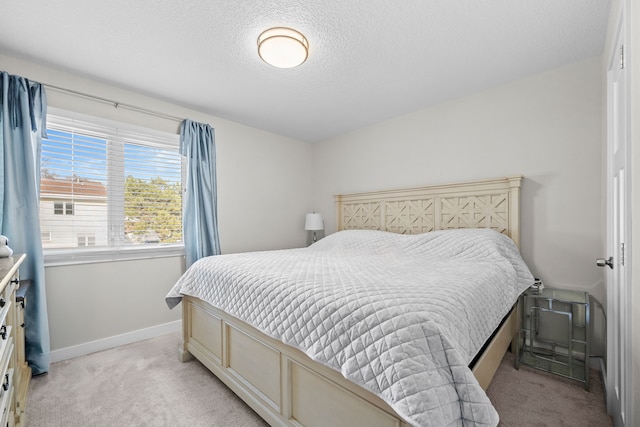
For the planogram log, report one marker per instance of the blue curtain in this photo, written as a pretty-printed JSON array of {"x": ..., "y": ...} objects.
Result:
[
  {"x": 23, "y": 122},
  {"x": 200, "y": 216}
]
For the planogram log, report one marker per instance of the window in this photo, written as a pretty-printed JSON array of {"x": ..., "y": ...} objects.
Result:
[
  {"x": 109, "y": 191},
  {"x": 63, "y": 208},
  {"x": 86, "y": 239},
  {"x": 45, "y": 235}
]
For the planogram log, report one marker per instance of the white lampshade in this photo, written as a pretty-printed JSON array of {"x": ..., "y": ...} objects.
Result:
[
  {"x": 314, "y": 222},
  {"x": 283, "y": 47}
]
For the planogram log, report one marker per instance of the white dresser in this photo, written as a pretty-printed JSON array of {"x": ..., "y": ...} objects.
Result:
[{"x": 14, "y": 370}]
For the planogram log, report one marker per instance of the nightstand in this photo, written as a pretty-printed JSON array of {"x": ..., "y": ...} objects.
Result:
[{"x": 554, "y": 332}]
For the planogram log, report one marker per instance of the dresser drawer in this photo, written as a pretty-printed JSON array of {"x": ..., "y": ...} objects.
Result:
[
  {"x": 6, "y": 301},
  {"x": 7, "y": 416},
  {"x": 6, "y": 340},
  {"x": 6, "y": 397},
  {"x": 8, "y": 291},
  {"x": 14, "y": 370}
]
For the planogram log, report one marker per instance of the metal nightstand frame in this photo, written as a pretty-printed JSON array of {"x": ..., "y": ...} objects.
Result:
[{"x": 554, "y": 332}]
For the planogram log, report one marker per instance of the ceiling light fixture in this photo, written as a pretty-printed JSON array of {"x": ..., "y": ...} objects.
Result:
[{"x": 283, "y": 47}]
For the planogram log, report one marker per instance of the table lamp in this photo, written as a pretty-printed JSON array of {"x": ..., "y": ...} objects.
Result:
[{"x": 314, "y": 223}]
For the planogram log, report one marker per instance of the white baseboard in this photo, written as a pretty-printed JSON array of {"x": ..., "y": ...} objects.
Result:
[{"x": 115, "y": 341}]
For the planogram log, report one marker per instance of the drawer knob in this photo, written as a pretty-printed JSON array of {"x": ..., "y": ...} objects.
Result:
[
  {"x": 3, "y": 332},
  {"x": 5, "y": 385}
]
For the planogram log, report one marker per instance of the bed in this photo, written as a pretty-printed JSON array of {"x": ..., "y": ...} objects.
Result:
[{"x": 301, "y": 354}]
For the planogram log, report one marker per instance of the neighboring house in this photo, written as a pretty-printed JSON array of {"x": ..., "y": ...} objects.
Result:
[{"x": 73, "y": 213}]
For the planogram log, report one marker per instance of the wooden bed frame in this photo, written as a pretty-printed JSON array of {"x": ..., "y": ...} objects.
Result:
[{"x": 282, "y": 384}]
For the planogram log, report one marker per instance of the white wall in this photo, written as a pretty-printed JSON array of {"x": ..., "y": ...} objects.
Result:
[
  {"x": 264, "y": 192},
  {"x": 90, "y": 302},
  {"x": 547, "y": 127}
]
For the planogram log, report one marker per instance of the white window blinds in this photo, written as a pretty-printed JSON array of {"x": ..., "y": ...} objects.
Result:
[{"x": 108, "y": 188}]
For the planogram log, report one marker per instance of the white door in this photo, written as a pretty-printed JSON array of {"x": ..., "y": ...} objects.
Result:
[{"x": 618, "y": 236}]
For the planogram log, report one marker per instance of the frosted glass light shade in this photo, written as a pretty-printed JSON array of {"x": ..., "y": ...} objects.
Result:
[
  {"x": 314, "y": 222},
  {"x": 283, "y": 47}
]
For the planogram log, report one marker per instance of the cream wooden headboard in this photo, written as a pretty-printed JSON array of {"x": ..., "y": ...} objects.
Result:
[{"x": 491, "y": 203}]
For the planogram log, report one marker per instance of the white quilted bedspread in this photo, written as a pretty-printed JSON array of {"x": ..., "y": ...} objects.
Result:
[{"x": 403, "y": 316}]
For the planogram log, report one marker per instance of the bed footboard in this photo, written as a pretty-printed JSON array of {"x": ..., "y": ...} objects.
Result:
[{"x": 283, "y": 385}]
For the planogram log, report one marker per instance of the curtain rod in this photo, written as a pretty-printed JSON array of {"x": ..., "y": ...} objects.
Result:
[{"x": 115, "y": 104}]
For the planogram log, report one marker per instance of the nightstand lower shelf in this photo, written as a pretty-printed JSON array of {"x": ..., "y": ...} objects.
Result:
[{"x": 556, "y": 364}]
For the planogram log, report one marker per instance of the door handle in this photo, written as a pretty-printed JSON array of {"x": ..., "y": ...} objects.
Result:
[{"x": 601, "y": 262}]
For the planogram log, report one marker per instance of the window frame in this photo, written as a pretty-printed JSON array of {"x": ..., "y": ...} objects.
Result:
[
  {"x": 88, "y": 254},
  {"x": 87, "y": 238},
  {"x": 63, "y": 208},
  {"x": 58, "y": 208}
]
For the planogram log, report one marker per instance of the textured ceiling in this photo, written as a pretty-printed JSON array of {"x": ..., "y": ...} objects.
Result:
[{"x": 369, "y": 60}]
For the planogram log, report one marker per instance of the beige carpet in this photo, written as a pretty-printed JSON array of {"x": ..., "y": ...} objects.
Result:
[
  {"x": 529, "y": 397},
  {"x": 141, "y": 384},
  {"x": 144, "y": 384}
]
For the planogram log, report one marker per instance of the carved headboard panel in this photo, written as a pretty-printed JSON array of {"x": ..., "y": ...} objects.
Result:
[{"x": 480, "y": 204}]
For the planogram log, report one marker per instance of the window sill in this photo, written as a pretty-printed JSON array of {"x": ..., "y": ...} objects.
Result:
[{"x": 60, "y": 257}]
